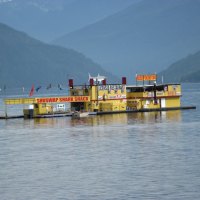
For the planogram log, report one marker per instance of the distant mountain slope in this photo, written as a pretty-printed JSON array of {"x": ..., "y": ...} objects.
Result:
[
  {"x": 145, "y": 37},
  {"x": 48, "y": 19},
  {"x": 192, "y": 78},
  {"x": 184, "y": 70},
  {"x": 26, "y": 61}
]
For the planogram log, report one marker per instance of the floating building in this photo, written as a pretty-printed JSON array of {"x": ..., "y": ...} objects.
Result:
[{"x": 98, "y": 97}]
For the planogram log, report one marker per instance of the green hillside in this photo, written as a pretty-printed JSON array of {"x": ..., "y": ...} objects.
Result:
[
  {"x": 26, "y": 61},
  {"x": 184, "y": 70}
]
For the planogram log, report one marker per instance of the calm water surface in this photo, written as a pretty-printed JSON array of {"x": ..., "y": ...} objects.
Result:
[{"x": 123, "y": 156}]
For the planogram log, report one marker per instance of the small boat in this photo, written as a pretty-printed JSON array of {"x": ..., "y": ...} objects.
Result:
[
  {"x": 92, "y": 113},
  {"x": 80, "y": 114}
]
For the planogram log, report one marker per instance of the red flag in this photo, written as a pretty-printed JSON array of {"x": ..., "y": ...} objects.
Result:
[{"x": 31, "y": 91}]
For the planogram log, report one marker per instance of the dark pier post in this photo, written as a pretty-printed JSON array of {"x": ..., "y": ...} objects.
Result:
[{"x": 154, "y": 91}]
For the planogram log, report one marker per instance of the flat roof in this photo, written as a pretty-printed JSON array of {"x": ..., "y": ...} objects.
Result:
[{"x": 142, "y": 86}]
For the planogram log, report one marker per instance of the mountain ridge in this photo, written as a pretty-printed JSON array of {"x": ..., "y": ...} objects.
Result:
[
  {"x": 24, "y": 61},
  {"x": 145, "y": 37},
  {"x": 50, "y": 19},
  {"x": 186, "y": 69}
]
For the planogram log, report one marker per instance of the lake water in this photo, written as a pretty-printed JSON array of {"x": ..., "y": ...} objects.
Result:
[{"x": 122, "y": 156}]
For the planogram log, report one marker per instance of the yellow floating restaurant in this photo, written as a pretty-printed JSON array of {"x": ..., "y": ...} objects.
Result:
[{"x": 98, "y": 97}]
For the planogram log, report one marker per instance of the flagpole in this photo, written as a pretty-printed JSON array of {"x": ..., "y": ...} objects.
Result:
[
  {"x": 6, "y": 109},
  {"x": 4, "y": 88},
  {"x": 6, "y": 114},
  {"x": 23, "y": 96}
]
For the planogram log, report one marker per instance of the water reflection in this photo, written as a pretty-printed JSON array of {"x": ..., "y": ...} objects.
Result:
[
  {"x": 111, "y": 119},
  {"x": 86, "y": 121},
  {"x": 155, "y": 117}
]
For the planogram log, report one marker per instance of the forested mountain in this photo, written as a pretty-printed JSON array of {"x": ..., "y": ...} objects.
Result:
[
  {"x": 25, "y": 61},
  {"x": 184, "y": 70},
  {"x": 145, "y": 37},
  {"x": 48, "y": 19}
]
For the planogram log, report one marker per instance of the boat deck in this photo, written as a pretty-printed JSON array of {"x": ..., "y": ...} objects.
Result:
[{"x": 148, "y": 110}]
